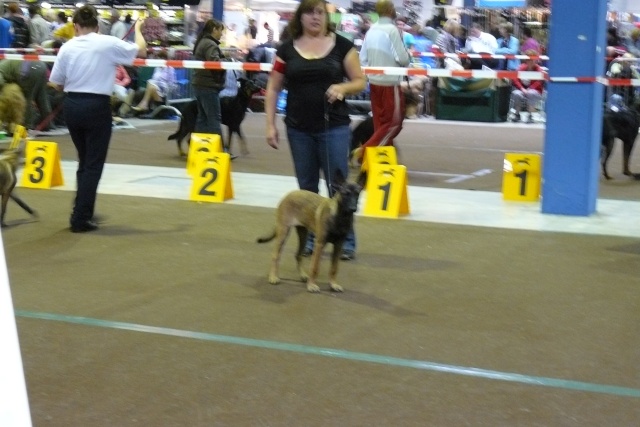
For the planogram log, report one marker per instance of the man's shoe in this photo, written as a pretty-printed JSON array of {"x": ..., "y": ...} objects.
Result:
[
  {"x": 84, "y": 227},
  {"x": 516, "y": 118},
  {"x": 348, "y": 255},
  {"x": 306, "y": 252},
  {"x": 530, "y": 119}
]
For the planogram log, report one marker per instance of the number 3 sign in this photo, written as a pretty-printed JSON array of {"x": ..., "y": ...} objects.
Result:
[{"x": 42, "y": 165}]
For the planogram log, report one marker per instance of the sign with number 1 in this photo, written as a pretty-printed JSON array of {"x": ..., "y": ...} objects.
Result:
[
  {"x": 387, "y": 191},
  {"x": 521, "y": 177}
]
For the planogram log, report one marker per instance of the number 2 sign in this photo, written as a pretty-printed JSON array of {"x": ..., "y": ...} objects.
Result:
[{"x": 212, "y": 179}]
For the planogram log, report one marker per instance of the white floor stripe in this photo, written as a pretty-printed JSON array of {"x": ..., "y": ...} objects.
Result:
[{"x": 475, "y": 208}]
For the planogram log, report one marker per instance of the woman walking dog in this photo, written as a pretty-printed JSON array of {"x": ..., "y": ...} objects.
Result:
[
  {"x": 320, "y": 68},
  {"x": 85, "y": 69}
]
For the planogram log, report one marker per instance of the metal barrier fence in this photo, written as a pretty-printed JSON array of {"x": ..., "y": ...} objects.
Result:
[{"x": 621, "y": 80}]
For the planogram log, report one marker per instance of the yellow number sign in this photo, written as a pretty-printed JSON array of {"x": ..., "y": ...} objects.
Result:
[
  {"x": 387, "y": 191},
  {"x": 212, "y": 179},
  {"x": 385, "y": 155},
  {"x": 42, "y": 165},
  {"x": 19, "y": 133},
  {"x": 521, "y": 177},
  {"x": 202, "y": 145}
]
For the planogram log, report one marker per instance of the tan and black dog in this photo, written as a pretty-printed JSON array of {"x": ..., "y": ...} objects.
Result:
[
  {"x": 8, "y": 166},
  {"x": 330, "y": 219}
]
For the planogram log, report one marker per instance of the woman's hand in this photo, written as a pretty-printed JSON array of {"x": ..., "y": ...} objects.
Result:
[
  {"x": 335, "y": 93},
  {"x": 272, "y": 137}
]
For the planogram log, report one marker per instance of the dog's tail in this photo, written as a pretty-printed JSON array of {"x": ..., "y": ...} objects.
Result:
[{"x": 268, "y": 238}]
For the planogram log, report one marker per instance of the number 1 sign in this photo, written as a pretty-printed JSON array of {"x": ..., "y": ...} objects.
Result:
[
  {"x": 521, "y": 177},
  {"x": 386, "y": 191}
]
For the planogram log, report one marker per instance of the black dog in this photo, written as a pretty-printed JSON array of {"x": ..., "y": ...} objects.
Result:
[
  {"x": 360, "y": 134},
  {"x": 233, "y": 110},
  {"x": 622, "y": 124}
]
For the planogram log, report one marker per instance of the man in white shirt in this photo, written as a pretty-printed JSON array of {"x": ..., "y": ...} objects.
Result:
[{"x": 480, "y": 42}]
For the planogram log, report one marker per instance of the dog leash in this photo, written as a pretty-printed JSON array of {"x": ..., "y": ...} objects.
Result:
[
  {"x": 48, "y": 119},
  {"x": 327, "y": 108}
]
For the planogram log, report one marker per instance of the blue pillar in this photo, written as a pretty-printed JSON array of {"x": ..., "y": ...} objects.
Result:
[
  {"x": 574, "y": 110},
  {"x": 218, "y": 8}
]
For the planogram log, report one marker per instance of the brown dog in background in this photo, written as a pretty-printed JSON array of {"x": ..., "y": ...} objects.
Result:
[
  {"x": 330, "y": 219},
  {"x": 8, "y": 166},
  {"x": 12, "y": 106}
]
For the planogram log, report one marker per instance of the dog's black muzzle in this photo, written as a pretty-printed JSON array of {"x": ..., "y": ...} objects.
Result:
[{"x": 351, "y": 204}]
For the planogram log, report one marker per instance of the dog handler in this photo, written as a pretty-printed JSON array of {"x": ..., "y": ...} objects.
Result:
[
  {"x": 85, "y": 69},
  {"x": 320, "y": 68}
]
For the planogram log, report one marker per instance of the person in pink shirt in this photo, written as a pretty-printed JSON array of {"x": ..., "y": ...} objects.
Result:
[{"x": 529, "y": 42}]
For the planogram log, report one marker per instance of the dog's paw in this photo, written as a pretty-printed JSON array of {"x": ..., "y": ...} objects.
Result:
[
  {"x": 336, "y": 288},
  {"x": 274, "y": 280},
  {"x": 312, "y": 287}
]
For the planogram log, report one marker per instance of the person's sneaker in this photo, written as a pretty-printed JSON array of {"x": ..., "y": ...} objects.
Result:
[
  {"x": 530, "y": 119},
  {"x": 306, "y": 252},
  {"x": 348, "y": 255},
  {"x": 516, "y": 118}
]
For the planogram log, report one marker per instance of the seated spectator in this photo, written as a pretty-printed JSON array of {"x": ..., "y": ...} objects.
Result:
[
  {"x": 447, "y": 41},
  {"x": 529, "y": 42},
  {"x": 407, "y": 37},
  {"x": 480, "y": 42},
  {"x": 508, "y": 44},
  {"x": 122, "y": 94},
  {"x": 158, "y": 86},
  {"x": 527, "y": 93}
]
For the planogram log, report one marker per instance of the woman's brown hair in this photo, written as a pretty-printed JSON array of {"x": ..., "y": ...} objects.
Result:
[
  {"x": 306, "y": 6},
  {"x": 86, "y": 17},
  {"x": 208, "y": 27}
]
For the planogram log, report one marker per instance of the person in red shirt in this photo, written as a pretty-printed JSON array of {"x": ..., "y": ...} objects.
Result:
[{"x": 527, "y": 93}]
